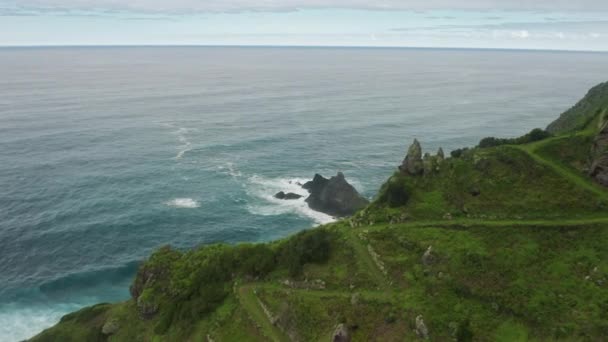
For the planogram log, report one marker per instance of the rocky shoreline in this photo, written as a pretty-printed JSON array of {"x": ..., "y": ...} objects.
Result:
[{"x": 333, "y": 196}]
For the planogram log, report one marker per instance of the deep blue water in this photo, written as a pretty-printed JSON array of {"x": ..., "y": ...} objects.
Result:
[{"x": 108, "y": 153}]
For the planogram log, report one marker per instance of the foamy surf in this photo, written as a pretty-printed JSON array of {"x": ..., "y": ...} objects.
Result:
[
  {"x": 186, "y": 145},
  {"x": 19, "y": 322},
  {"x": 183, "y": 203},
  {"x": 265, "y": 188}
]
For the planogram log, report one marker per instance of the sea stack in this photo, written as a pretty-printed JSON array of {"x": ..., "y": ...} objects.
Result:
[{"x": 334, "y": 196}]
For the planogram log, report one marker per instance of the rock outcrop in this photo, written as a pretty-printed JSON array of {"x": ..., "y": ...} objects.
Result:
[
  {"x": 334, "y": 196},
  {"x": 599, "y": 157},
  {"x": 287, "y": 196},
  {"x": 412, "y": 164},
  {"x": 415, "y": 164}
]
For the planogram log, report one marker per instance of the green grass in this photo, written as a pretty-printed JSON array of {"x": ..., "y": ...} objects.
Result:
[
  {"x": 249, "y": 301},
  {"x": 502, "y": 183}
]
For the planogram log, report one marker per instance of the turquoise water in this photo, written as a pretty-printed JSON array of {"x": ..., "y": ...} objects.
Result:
[{"x": 108, "y": 153}]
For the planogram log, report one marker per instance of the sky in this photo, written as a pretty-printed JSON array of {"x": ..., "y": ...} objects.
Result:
[{"x": 504, "y": 24}]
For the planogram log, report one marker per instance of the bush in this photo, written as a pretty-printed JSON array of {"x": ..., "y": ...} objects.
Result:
[
  {"x": 534, "y": 135},
  {"x": 305, "y": 247},
  {"x": 458, "y": 152},
  {"x": 187, "y": 286},
  {"x": 255, "y": 260},
  {"x": 395, "y": 193}
]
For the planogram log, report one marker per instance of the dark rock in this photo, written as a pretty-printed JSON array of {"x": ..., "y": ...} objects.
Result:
[
  {"x": 474, "y": 191},
  {"x": 334, "y": 196},
  {"x": 599, "y": 157},
  {"x": 341, "y": 334},
  {"x": 287, "y": 196},
  {"x": 316, "y": 184},
  {"x": 412, "y": 164}
]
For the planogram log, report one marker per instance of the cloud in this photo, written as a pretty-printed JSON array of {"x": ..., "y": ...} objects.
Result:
[
  {"x": 528, "y": 26},
  {"x": 523, "y": 34},
  {"x": 521, "y": 31},
  {"x": 200, "y": 6}
]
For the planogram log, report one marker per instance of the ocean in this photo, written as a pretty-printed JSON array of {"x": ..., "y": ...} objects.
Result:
[{"x": 107, "y": 153}]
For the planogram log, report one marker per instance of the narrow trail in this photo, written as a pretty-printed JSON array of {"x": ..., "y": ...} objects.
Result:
[
  {"x": 563, "y": 171},
  {"x": 249, "y": 301},
  {"x": 368, "y": 263}
]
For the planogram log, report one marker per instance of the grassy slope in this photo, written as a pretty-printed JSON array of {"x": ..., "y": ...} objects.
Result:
[{"x": 518, "y": 236}]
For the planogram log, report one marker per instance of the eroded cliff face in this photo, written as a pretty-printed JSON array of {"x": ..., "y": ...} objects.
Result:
[{"x": 599, "y": 157}]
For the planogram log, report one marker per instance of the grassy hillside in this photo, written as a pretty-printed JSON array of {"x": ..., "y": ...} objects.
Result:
[
  {"x": 504, "y": 243},
  {"x": 587, "y": 113}
]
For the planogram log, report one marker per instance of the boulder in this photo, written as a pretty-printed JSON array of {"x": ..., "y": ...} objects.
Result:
[
  {"x": 334, "y": 196},
  {"x": 421, "y": 330},
  {"x": 340, "y": 334},
  {"x": 110, "y": 327},
  {"x": 412, "y": 164},
  {"x": 287, "y": 196},
  {"x": 428, "y": 257},
  {"x": 599, "y": 157}
]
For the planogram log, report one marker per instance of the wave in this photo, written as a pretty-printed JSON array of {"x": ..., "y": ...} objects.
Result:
[
  {"x": 264, "y": 189},
  {"x": 19, "y": 322},
  {"x": 183, "y": 203},
  {"x": 34, "y": 309},
  {"x": 89, "y": 279},
  {"x": 182, "y": 137}
]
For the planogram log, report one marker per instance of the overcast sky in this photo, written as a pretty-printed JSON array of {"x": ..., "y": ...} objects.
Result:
[{"x": 531, "y": 24}]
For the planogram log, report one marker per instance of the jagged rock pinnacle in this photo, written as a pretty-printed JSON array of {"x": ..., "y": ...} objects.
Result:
[{"x": 412, "y": 164}]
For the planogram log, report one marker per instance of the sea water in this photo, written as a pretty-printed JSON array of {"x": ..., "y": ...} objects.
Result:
[{"x": 108, "y": 153}]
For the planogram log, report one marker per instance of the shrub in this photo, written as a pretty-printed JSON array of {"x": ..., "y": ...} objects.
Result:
[
  {"x": 255, "y": 260},
  {"x": 395, "y": 193},
  {"x": 458, "y": 152},
  {"x": 534, "y": 135},
  {"x": 305, "y": 247}
]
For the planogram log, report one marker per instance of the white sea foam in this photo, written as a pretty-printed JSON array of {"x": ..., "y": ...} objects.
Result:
[
  {"x": 264, "y": 189},
  {"x": 18, "y": 323},
  {"x": 183, "y": 203},
  {"x": 186, "y": 145},
  {"x": 230, "y": 170}
]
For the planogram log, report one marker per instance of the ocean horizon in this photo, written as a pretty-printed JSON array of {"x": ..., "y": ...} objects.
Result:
[
  {"x": 109, "y": 152},
  {"x": 245, "y": 46}
]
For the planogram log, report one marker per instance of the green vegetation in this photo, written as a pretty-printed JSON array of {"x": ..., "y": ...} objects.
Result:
[
  {"x": 536, "y": 134},
  {"x": 503, "y": 242},
  {"x": 587, "y": 113}
]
